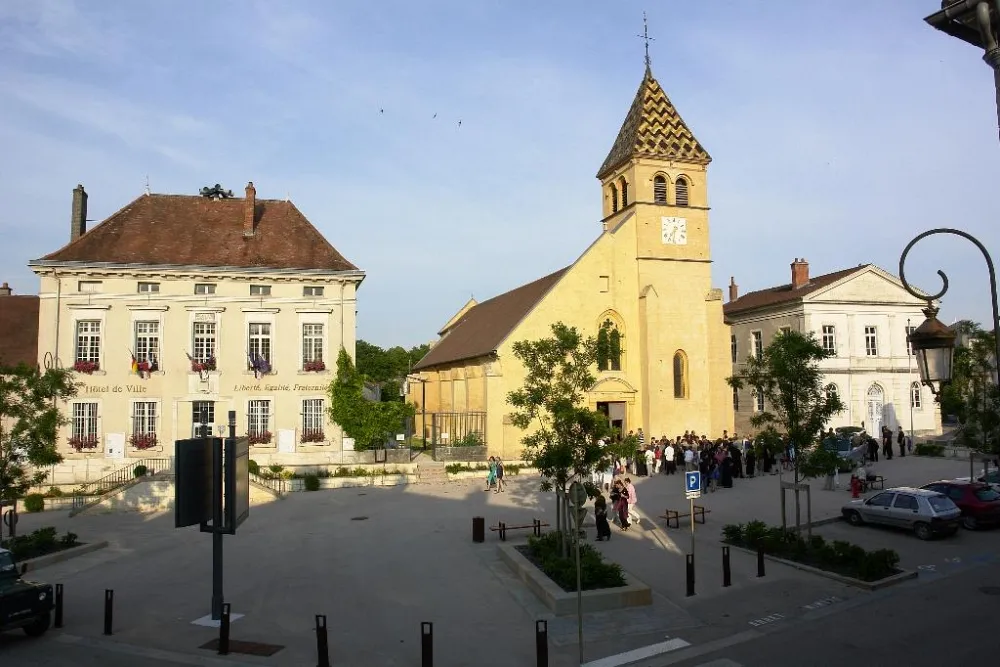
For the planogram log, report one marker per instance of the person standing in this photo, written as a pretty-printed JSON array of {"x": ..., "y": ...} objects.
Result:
[
  {"x": 601, "y": 516},
  {"x": 632, "y": 498},
  {"x": 650, "y": 456},
  {"x": 689, "y": 464},
  {"x": 670, "y": 467},
  {"x": 491, "y": 476},
  {"x": 901, "y": 441},
  {"x": 500, "y": 481}
]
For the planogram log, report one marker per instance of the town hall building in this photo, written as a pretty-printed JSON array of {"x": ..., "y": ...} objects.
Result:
[{"x": 643, "y": 287}]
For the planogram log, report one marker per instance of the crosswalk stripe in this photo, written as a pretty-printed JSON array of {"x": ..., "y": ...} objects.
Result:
[{"x": 638, "y": 654}]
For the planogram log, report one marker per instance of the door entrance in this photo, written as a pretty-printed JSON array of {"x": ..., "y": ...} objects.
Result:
[
  {"x": 197, "y": 407},
  {"x": 615, "y": 412},
  {"x": 876, "y": 406}
]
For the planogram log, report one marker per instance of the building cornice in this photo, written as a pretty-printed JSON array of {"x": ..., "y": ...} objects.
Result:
[
  {"x": 315, "y": 309},
  {"x": 88, "y": 306},
  {"x": 260, "y": 309},
  {"x": 41, "y": 264},
  {"x": 148, "y": 307},
  {"x": 205, "y": 309}
]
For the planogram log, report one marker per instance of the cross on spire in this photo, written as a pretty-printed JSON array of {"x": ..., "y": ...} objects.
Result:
[{"x": 646, "y": 38}]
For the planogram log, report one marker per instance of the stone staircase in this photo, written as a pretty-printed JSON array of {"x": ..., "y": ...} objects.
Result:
[{"x": 432, "y": 472}]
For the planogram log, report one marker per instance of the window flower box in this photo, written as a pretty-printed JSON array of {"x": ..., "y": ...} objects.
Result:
[
  {"x": 87, "y": 367},
  {"x": 312, "y": 435},
  {"x": 79, "y": 443},
  {"x": 314, "y": 366},
  {"x": 262, "y": 438},
  {"x": 143, "y": 440},
  {"x": 203, "y": 366}
]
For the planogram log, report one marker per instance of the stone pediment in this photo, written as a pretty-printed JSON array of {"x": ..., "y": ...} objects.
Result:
[
  {"x": 612, "y": 383},
  {"x": 872, "y": 286}
]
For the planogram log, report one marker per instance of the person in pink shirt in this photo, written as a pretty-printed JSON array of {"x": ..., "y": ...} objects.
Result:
[{"x": 632, "y": 499}]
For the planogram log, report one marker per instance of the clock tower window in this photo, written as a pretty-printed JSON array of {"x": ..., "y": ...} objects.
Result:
[
  {"x": 681, "y": 191},
  {"x": 614, "y": 198},
  {"x": 660, "y": 190},
  {"x": 624, "y": 188}
]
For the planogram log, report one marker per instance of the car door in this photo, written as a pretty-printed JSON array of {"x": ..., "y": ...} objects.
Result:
[
  {"x": 905, "y": 510},
  {"x": 876, "y": 509}
]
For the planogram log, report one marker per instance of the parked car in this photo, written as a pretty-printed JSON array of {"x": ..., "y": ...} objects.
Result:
[
  {"x": 927, "y": 513},
  {"x": 23, "y": 604},
  {"x": 978, "y": 501}
]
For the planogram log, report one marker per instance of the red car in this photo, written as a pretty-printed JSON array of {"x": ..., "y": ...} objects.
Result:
[{"x": 979, "y": 502}]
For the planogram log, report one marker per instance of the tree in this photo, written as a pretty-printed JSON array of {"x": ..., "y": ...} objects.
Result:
[
  {"x": 370, "y": 424},
  {"x": 798, "y": 405},
  {"x": 29, "y": 425},
  {"x": 972, "y": 395},
  {"x": 387, "y": 368},
  {"x": 564, "y": 438}
]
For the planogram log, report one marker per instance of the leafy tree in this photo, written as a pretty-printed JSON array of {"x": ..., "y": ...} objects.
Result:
[
  {"x": 29, "y": 424},
  {"x": 972, "y": 395},
  {"x": 369, "y": 423},
  {"x": 798, "y": 405},
  {"x": 387, "y": 368},
  {"x": 563, "y": 442}
]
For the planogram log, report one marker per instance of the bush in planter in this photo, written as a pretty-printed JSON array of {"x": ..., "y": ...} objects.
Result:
[
  {"x": 34, "y": 502},
  {"x": 140, "y": 471},
  {"x": 253, "y": 467},
  {"x": 546, "y": 554},
  {"x": 311, "y": 482},
  {"x": 54, "y": 492},
  {"x": 927, "y": 449}
]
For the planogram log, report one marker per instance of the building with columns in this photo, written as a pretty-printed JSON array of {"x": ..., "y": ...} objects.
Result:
[
  {"x": 863, "y": 316},
  {"x": 181, "y": 306},
  {"x": 643, "y": 288}
]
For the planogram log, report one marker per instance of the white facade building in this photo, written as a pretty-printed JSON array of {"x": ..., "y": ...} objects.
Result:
[{"x": 862, "y": 315}]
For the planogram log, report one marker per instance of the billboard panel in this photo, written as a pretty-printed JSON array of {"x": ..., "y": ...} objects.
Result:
[
  {"x": 193, "y": 487},
  {"x": 237, "y": 482}
]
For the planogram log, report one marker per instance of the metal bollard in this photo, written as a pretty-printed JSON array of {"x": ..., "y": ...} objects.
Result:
[
  {"x": 503, "y": 531},
  {"x": 542, "y": 643},
  {"x": 478, "y": 529},
  {"x": 322, "y": 643},
  {"x": 760, "y": 561},
  {"x": 727, "y": 575},
  {"x": 59, "y": 606},
  {"x": 426, "y": 644},
  {"x": 224, "y": 630},
  {"x": 689, "y": 559},
  {"x": 109, "y": 603},
  {"x": 536, "y": 527}
]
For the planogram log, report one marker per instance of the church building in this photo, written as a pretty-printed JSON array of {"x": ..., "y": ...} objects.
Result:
[{"x": 643, "y": 287}]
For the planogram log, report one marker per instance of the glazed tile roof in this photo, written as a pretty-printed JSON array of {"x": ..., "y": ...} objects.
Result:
[{"x": 653, "y": 128}]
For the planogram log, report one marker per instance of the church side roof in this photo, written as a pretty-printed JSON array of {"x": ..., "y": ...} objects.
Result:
[
  {"x": 484, "y": 326},
  {"x": 183, "y": 230},
  {"x": 773, "y": 296},
  {"x": 653, "y": 128}
]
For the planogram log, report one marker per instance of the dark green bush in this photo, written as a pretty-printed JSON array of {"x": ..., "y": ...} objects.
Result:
[
  {"x": 34, "y": 502},
  {"x": 39, "y": 543},
  {"x": 545, "y": 553},
  {"x": 311, "y": 482},
  {"x": 54, "y": 492},
  {"x": 927, "y": 449},
  {"x": 254, "y": 467}
]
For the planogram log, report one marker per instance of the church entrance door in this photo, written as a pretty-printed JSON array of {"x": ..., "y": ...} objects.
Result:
[{"x": 615, "y": 411}]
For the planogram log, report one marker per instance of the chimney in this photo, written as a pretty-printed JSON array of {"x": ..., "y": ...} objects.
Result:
[
  {"x": 800, "y": 273},
  {"x": 734, "y": 289},
  {"x": 78, "y": 221},
  {"x": 5, "y": 290},
  {"x": 249, "y": 209}
]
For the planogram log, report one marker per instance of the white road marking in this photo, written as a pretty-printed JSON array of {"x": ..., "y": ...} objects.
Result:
[
  {"x": 766, "y": 619},
  {"x": 822, "y": 603},
  {"x": 639, "y": 654}
]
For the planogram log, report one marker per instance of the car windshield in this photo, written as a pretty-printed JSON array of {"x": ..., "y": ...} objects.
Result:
[
  {"x": 987, "y": 495},
  {"x": 941, "y": 503}
]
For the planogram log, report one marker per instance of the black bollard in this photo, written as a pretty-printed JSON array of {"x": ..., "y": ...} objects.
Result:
[
  {"x": 478, "y": 529},
  {"x": 109, "y": 603},
  {"x": 760, "y": 561},
  {"x": 542, "y": 643},
  {"x": 224, "y": 630},
  {"x": 727, "y": 575},
  {"x": 536, "y": 527},
  {"x": 322, "y": 644},
  {"x": 503, "y": 531},
  {"x": 59, "y": 606},
  {"x": 689, "y": 558},
  {"x": 426, "y": 644}
]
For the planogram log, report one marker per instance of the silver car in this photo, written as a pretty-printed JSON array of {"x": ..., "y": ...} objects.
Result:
[{"x": 927, "y": 513}]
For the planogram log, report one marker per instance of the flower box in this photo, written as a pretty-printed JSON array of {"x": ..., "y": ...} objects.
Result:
[
  {"x": 312, "y": 435},
  {"x": 203, "y": 366},
  {"x": 80, "y": 443},
  {"x": 314, "y": 366},
  {"x": 143, "y": 440},
  {"x": 263, "y": 438},
  {"x": 87, "y": 367}
]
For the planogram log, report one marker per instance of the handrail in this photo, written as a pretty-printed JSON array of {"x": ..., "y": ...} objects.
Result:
[
  {"x": 276, "y": 484},
  {"x": 123, "y": 475}
]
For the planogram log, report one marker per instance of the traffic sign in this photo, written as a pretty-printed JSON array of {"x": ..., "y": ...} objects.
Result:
[{"x": 692, "y": 484}]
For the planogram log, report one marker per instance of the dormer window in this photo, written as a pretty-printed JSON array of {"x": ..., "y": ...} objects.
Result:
[
  {"x": 614, "y": 198},
  {"x": 660, "y": 190},
  {"x": 681, "y": 191}
]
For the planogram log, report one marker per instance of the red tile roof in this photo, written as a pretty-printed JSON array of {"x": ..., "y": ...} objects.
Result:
[
  {"x": 198, "y": 231},
  {"x": 481, "y": 330},
  {"x": 18, "y": 330},
  {"x": 773, "y": 296}
]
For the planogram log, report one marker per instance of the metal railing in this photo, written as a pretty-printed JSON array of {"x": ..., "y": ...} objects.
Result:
[
  {"x": 276, "y": 484},
  {"x": 124, "y": 475}
]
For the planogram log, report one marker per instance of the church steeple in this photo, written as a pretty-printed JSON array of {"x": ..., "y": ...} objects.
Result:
[{"x": 653, "y": 129}]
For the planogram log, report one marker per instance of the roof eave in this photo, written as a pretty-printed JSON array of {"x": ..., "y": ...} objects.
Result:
[
  {"x": 420, "y": 366},
  {"x": 123, "y": 266}
]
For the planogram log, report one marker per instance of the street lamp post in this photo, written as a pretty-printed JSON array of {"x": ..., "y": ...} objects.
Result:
[{"x": 976, "y": 22}]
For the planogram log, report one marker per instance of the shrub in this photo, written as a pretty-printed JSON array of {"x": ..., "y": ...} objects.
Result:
[
  {"x": 733, "y": 533},
  {"x": 545, "y": 553},
  {"x": 68, "y": 540},
  {"x": 311, "y": 482},
  {"x": 254, "y": 467},
  {"x": 54, "y": 492},
  {"x": 927, "y": 449},
  {"x": 140, "y": 471},
  {"x": 470, "y": 439},
  {"x": 38, "y": 543},
  {"x": 34, "y": 502},
  {"x": 275, "y": 468}
]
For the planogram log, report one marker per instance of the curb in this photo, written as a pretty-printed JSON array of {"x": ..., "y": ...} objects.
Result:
[{"x": 66, "y": 554}]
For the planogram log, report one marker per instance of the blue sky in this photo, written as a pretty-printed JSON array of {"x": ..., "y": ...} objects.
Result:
[{"x": 838, "y": 130}]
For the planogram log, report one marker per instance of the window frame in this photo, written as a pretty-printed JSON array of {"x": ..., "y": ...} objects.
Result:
[
  {"x": 207, "y": 289},
  {"x": 145, "y": 423},
  {"x": 260, "y": 412},
  {"x": 310, "y": 342},
  {"x": 264, "y": 342},
  {"x": 209, "y": 341},
  {"x": 147, "y": 287},
  {"x": 871, "y": 340},
  {"x": 93, "y": 341},
  {"x": 682, "y": 191},
  {"x": 916, "y": 396},
  {"x": 908, "y": 329},
  {"x": 829, "y": 337},
  {"x": 97, "y": 286},
  {"x": 679, "y": 368},
  {"x": 313, "y": 291},
  {"x": 734, "y": 348},
  {"x": 257, "y": 289},
  {"x": 147, "y": 346},
  {"x": 85, "y": 420},
  {"x": 757, "y": 343},
  {"x": 660, "y": 186},
  {"x": 313, "y": 420}
]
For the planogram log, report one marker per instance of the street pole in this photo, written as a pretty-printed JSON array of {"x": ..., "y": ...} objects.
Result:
[
  {"x": 909, "y": 376},
  {"x": 691, "y": 501},
  {"x": 217, "y": 598}
]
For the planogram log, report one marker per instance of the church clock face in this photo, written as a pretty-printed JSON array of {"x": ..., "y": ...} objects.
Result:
[{"x": 675, "y": 231}]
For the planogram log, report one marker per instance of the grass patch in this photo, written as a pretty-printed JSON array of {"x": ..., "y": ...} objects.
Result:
[
  {"x": 545, "y": 554},
  {"x": 838, "y": 556},
  {"x": 39, "y": 543}
]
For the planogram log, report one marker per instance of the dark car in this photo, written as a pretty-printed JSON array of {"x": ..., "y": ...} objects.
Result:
[
  {"x": 23, "y": 604},
  {"x": 979, "y": 502}
]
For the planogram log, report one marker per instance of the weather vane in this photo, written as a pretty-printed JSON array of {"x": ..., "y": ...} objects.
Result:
[{"x": 645, "y": 37}]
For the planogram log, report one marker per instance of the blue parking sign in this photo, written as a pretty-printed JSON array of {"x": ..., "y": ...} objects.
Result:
[{"x": 692, "y": 481}]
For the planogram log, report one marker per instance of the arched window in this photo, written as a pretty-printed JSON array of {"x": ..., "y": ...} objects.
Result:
[
  {"x": 624, "y": 188},
  {"x": 736, "y": 399},
  {"x": 831, "y": 390},
  {"x": 681, "y": 191},
  {"x": 614, "y": 198},
  {"x": 915, "y": 396},
  {"x": 680, "y": 374},
  {"x": 660, "y": 190},
  {"x": 609, "y": 347}
]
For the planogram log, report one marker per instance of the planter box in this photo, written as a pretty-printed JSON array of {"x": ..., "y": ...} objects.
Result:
[
  {"x": 563, "y": 603},
  {"x": 295, "y": 485},
  {"x": 60, "y": 503},
  {"x": 460, "y": 454},
  {"x": 902, "y": 575},
  {"x": 350, "y": 458},
  {"x": 60, "y": 556}
]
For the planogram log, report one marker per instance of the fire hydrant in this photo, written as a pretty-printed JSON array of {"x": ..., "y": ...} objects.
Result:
[{"x": 855, "y": 487}]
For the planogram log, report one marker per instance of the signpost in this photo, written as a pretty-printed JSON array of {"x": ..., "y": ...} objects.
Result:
[
  {"x": 213, "y": 491},
  {"x": 692, "y": 487}
]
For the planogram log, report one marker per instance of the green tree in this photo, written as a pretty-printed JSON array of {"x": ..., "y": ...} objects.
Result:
[
  {"x": 972, "y": 395},
  {"x": 796, "y": 401},
  {"x": 387, "y": 368},
  {"x": 29, "y": 424},
  {"x": 369, "y": 423},
  {"x": 563, "y": 435}
]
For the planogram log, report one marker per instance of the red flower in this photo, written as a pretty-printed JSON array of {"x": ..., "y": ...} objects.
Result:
[
  {"x": 86, "y": 366},
  {"x": 314, "y": 366},
  {"x": 262, "y": 438},
  {"x": 312, "y": 435},
  {"x": 143, "y": 440},
  {"x": 83, "y": 442}
]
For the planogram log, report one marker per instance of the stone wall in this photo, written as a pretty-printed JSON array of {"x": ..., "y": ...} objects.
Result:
[{"x": 450, "y": 454}]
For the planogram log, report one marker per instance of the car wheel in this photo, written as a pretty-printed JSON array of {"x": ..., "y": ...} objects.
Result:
[
  {"x": 38, "y": 626},
  {"x": 923, "y": 531},
  {"x": 970, "y": 523},
  {"x": 854, "y": 518}
]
